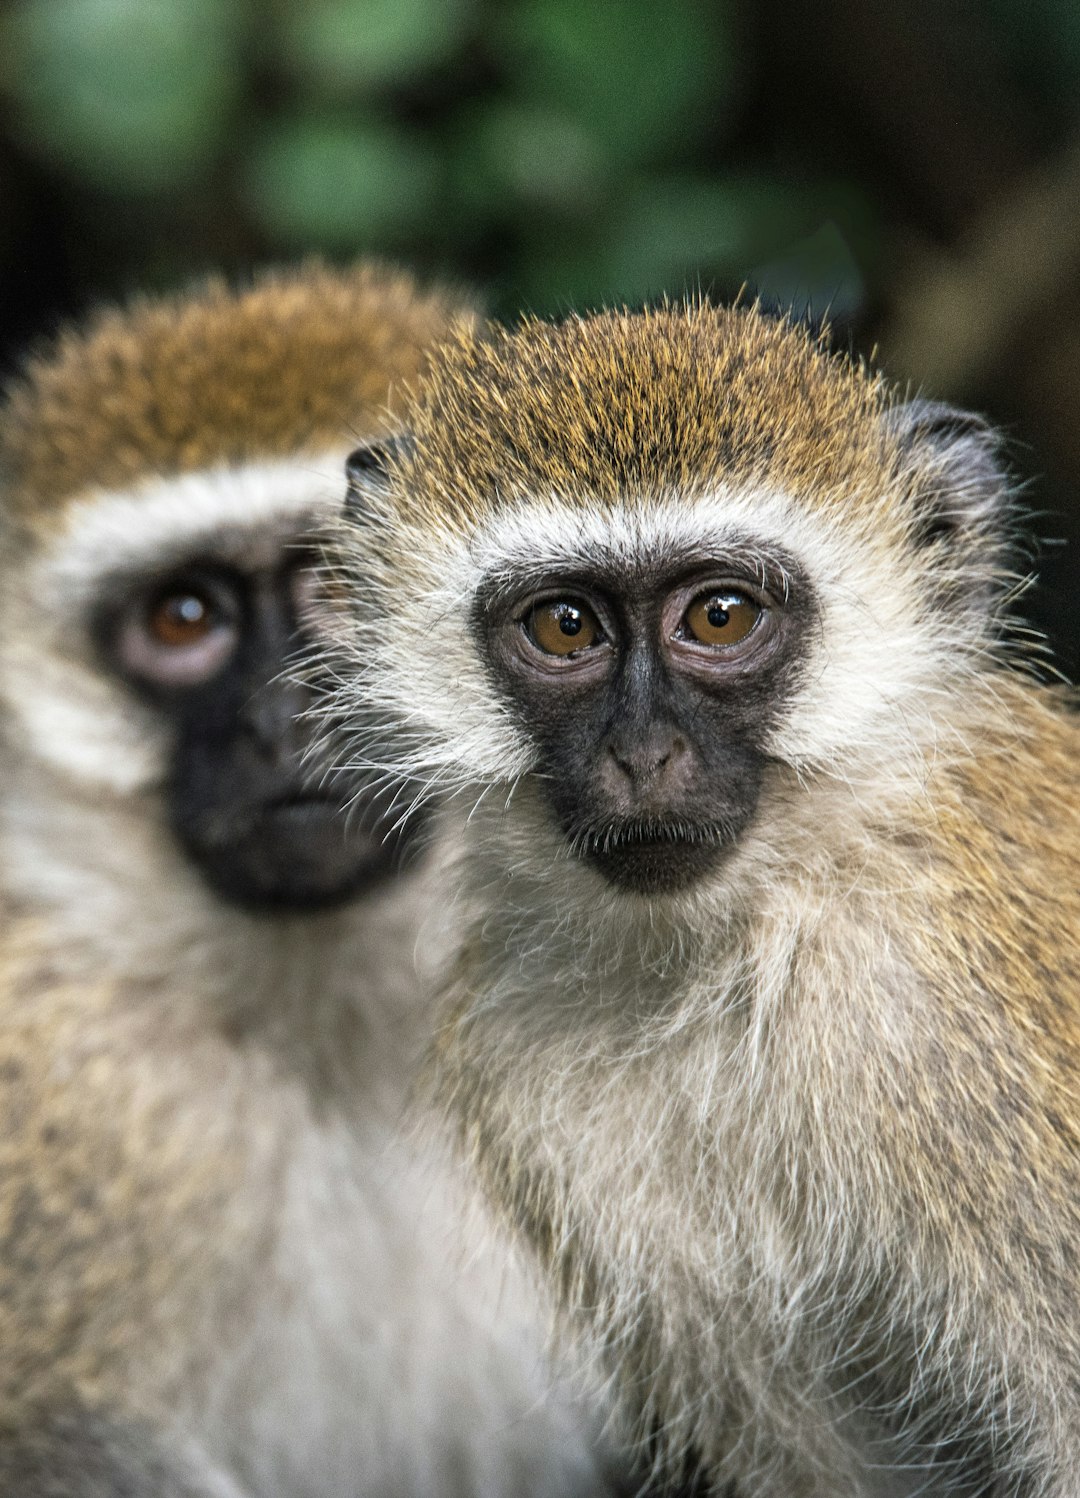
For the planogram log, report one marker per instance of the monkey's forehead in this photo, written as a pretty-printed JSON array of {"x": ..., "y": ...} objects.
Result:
[
  {"x": 302, "y": 358},
  {"x": 668, "y": 400}
]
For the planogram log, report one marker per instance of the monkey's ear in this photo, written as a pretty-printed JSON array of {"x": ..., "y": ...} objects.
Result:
[
  {"x": 963, "y": 487},
  {"x": 367, "y": 469}
]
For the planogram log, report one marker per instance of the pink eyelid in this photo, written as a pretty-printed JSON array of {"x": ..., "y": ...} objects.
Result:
[{"x": 174, "y": 665}]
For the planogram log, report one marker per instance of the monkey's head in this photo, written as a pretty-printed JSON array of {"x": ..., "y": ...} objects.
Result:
[
  {"x": 656, "y": 573},
  {"x": 163, "y": 471}
]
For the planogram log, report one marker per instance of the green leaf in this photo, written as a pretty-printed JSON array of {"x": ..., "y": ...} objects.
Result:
[
  {"x": 341, "y": 45},
  {"x": 132, "y": 95},
  {"x": 510, "y": 157},
  {"x": 341, "y": 184},
  {"x": 642, "y": 75},
  {"x": 673, "y": 235}
]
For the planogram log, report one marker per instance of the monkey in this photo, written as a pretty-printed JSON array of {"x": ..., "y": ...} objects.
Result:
[
  {"x": 763, "y": 1028},
  {"x": 231, "y": 1266}
]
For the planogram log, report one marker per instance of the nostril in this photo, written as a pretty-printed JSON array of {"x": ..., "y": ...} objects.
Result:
[
  {"x": 672, "y": 751},
  {"x": 646, "y": 759},
  {"x": 636, "y": 763},
  {"x": 622, "y": 760}
]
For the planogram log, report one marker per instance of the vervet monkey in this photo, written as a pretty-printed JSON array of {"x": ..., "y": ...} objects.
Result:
[
  {"x": 765, "y": 1027},
  {"x": 227, "y": 1265}
]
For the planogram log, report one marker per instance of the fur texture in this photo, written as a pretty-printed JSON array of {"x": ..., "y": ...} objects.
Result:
[
  {"x": 297, "y": 362},
  {"x": 233, "y": 1264},
  {"x": 800, "y": 1146}
]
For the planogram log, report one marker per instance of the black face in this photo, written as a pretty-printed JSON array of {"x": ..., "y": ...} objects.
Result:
[
  {"x": 211, "y": 646},
  {"x": 649, "y": 696}
]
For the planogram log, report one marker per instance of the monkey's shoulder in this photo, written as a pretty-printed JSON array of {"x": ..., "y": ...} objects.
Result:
[{"x": 1006, "y": 842}]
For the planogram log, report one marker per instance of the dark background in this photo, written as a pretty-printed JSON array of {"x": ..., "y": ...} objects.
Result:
[{"x": 911, "y": 168}]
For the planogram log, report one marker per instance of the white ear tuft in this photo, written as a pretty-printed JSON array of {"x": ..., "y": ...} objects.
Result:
[{"x": 962, "y": 490}]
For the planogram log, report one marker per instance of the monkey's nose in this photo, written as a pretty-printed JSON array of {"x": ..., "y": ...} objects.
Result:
[
  {"x": 273, "y": 720},
  {"x": 648, "y": 763}
]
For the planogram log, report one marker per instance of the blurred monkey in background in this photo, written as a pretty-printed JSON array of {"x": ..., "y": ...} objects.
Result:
[{"x": 226, "y": 1266}]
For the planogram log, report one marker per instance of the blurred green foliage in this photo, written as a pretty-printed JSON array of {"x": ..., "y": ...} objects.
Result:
[
  {"x": 133, "y": 95},
  {"x": 561, "y": 152},
  {"x": 341, "y": 182},
  {"x": 556, "y": 149},
  {"x": 338, "y": 47}
]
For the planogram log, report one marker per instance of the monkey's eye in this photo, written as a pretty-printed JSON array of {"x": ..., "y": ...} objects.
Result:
[
  {"x": 563, "y": 626},
  {"x": 180, "y": 619},
  {"x": 180, "y": 634},
  {"x": 723, "y": 617}
]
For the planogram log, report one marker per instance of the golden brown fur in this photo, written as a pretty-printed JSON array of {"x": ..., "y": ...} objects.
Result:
[
  {"x": 230, "y": 1265},
  {"x": 510, "y": 413},
  {"x": 297, "y": 362},
  {"x": 799, "y": 1144}
]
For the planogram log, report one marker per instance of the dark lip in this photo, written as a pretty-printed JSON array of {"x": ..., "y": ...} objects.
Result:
[
  {"x": 295, "y": 799},
  {"x": 597, "y": 842},
  {"x": 653, "y": 859}
]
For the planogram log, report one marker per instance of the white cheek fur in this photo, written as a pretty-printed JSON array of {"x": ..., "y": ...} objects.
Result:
[
  {"x": 64, "y": 713},
  {"x": 62, "y": 708},
  {"x": 876, "y": 668}
]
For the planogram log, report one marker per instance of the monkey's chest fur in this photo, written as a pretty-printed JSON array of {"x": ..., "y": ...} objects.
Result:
[
  {"x": 214, "y": 1231},
  {"x": 734, "y": 1186}
]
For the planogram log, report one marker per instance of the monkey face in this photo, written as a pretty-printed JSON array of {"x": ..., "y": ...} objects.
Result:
[
  {"x": 149, "y": 459},
  {"x": 649, "y": 693},
  {"x": 667, "y": 570},
  {"x": 170, "y": 629},
  {"x": 212, "y": 647}
]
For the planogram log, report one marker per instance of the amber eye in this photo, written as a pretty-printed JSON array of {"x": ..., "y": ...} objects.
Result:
[
  {"x": 721, "y": 618},
  {"x": 563, "y": 627},
  {"x": 180, "y": 619}
]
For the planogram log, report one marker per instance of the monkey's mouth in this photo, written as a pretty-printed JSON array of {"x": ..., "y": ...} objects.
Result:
[
  {"x": 299, "y": 849},
  {"x": 652, "y": 857},
  {"x": 302, "y": 806}
]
